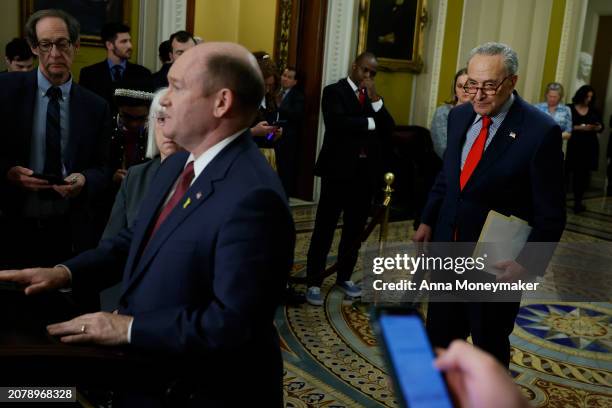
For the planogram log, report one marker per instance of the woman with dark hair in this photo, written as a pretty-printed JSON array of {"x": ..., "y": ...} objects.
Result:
[
  {"x": 583, "y": 146},
  {"x": 440, "y": 117}
]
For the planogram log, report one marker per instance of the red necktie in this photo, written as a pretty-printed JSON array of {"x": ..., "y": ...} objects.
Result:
[
  {"x": 475, "y": 152},
  {"x": 362, "y": 97},
  {"x": 181, "y": 188},
  {"x": 361, "y": 94}
]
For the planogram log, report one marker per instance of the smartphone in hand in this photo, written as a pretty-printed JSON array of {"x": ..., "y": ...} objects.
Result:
[
  {"x": 280, "y": 123},
  {"x": 409, "y": 356},
  {"x": 52, "y": 179}
]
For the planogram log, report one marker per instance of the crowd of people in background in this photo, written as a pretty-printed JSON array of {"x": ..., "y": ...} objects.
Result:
[{"x": 83, "y": 156}]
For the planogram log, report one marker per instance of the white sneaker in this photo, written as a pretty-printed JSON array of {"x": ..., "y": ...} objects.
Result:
[
  {"x": 313, "y": 296},
  {"x": 350, "y": 288}
]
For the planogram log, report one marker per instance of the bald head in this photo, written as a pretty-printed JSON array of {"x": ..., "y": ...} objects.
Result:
[
  {"x": 214, "y": 91},
  {"x": 228, "y": 65}
]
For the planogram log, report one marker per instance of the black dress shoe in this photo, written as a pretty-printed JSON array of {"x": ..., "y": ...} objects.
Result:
[{"x": 292, "y": 297}]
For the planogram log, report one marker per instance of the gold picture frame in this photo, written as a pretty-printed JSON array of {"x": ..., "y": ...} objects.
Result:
[
  {"x": 393, "y": 31},
  {"x": 86, "y": 12}
]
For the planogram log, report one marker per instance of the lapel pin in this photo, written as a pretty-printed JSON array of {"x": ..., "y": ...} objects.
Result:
[
  {"x": 187, "y": 202},
  {"x": 513, "y": 135},
  {"x": 198, "y": 195}
]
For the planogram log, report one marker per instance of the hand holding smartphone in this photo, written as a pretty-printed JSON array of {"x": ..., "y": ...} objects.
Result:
[
  {"x": 409, "y": 356},
  {"x": 52, "y": 179}
]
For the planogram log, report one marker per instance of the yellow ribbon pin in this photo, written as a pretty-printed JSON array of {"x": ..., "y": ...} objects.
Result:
[{"x": 187, "y": 202}]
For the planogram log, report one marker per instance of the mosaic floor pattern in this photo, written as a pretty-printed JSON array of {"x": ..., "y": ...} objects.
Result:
[{"x": 561, "y": 352}]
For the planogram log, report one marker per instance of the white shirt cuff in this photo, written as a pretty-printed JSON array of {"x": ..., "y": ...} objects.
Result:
[
  {"x": 371, "y": 123},
  {"x": 377, "y": 105},
  {"x": 69, "y": 289},
  {"x": 129, "y": 333}
]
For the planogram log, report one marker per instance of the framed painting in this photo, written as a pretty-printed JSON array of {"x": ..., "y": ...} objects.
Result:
[
  {"x": 393, "y": 31},
  {"x": 91, "y": 14}
]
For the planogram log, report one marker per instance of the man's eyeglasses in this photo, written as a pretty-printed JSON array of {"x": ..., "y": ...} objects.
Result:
[
  {"x": 61, "y": 45},
  {"x": 487, "y": 89}
]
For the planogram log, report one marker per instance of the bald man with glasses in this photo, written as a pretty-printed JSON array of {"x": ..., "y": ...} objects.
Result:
[{"x": 502, "y": 155}]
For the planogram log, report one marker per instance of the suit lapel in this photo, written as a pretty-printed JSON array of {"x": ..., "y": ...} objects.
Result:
[
  {"x": 26, "y": 115},
  {"x": 108, "y": 76},
  {"x": 502, "y": 139},
  {"x": 350, "y": 95},
  {"x": 76, "y": 128},
  {"x": 198, "y": 193}
]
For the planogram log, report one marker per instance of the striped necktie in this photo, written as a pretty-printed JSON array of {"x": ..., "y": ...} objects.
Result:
[{"x": 53, "y": 142}]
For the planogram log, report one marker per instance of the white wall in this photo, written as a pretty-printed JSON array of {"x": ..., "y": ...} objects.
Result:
[
  {"x": 522, "y": 24},
  {"x": 426, "y": 84},
  {"x": 158, "y": 20},
  {"x": 595, "y": 9}
]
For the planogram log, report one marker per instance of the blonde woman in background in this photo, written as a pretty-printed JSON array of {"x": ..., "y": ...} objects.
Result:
[
  {"x": 560, "y": 112},
  {"x": 440, "y": 118}
]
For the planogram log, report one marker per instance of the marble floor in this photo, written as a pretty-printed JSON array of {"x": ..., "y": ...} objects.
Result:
[{"x": 561, "y": 352}]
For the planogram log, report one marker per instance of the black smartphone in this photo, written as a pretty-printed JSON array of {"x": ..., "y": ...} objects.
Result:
[
  {"x": 409, "y": 356},
  {"x": 280, "y": 123},
  {"x": 52, "y": 179}
]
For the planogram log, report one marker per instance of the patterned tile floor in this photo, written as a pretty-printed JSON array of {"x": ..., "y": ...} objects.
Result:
[{"x": 561, "y": 352}]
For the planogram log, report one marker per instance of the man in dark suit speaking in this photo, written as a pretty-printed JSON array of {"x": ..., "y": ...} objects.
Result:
[
  {"x": 357, "y": 125},
  {"x": 502, "y": 155},
  {"x": 207, "y": 261}
]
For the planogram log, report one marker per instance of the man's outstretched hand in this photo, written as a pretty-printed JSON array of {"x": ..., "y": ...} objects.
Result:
[{"x": 38, "y": 280}]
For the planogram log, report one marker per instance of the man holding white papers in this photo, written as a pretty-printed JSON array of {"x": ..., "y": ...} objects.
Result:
[{"x": 502, "y": 155}]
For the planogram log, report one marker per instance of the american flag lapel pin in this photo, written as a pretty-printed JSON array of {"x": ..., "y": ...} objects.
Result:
[
  {"x": 513, "y": 135},
  {"x": 198, "y": 195},
  {"x": 187, "y": 202}
]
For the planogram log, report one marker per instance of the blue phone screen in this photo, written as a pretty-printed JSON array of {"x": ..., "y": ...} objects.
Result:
[{"x": 412, "y": 358}]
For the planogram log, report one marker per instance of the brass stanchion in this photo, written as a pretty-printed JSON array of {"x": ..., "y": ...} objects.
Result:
[
  {"x": 384, "y": 224},
  {"x": 382, "y": 236}
]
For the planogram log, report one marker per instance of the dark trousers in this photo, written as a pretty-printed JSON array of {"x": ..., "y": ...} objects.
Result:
[
  {"x": 490, "y": 325},
  {"x": 286, "y": 161},
  {"x": 580, "y": 181},
  {"x": 354, "y": 199}
]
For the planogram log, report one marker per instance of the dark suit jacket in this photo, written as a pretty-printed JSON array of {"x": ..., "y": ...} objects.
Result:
[
  {"x": 205, "y": 288},
  {"x": 129, "y": 197},
  {"x": 87, "y": 150},
  {"x": 97, "y": 78},
  {"x": 159, "y": 79},
  {"x": 520, "y": 176},
  {"x": 291, "y": 109},
  {"x": 346, "y": 132}
]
